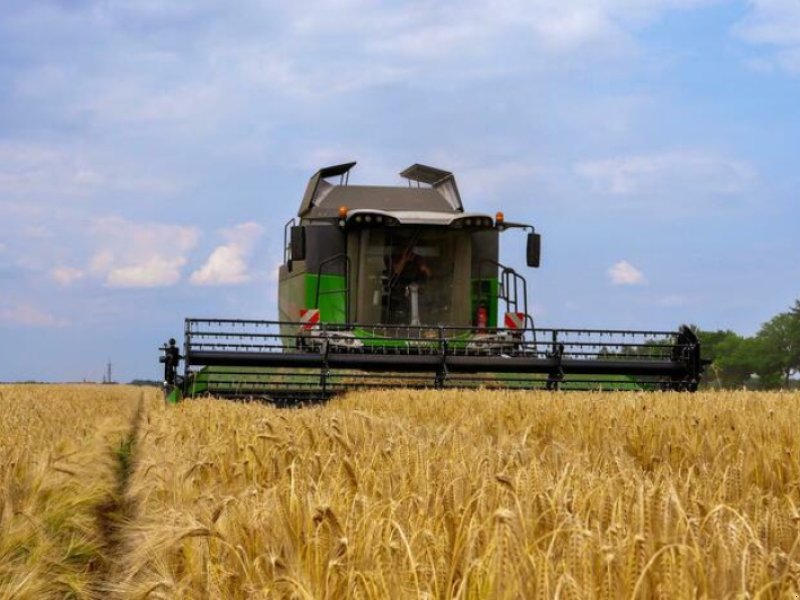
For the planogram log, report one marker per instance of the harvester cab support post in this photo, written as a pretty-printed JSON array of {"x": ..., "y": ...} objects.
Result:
[{"x": 413, "y": 293}]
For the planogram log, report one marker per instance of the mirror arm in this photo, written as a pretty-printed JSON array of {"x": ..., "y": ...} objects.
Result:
[{"x": 523, "y": 226}]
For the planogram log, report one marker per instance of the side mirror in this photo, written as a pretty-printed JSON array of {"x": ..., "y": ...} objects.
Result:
[
  {"x": 298, "y": 243},
  {"x": 534, "y": 249}
]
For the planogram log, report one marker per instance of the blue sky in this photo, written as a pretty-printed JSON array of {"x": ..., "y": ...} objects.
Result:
[{"x": 151, "y": 151}]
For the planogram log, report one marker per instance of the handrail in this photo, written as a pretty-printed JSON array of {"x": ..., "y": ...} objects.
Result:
[
  {"x": 287, "y": 245},
  {"x": 346, "y": 288},
  {"x": 508, "y": 278}
]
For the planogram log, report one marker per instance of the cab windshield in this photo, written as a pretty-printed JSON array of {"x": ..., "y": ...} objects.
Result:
[{"x": 414, "y": 276}]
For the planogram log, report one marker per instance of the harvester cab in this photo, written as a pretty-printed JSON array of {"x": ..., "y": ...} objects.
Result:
[
  {"x": 394, "y": 256},
  {"x": 400, "y": 286}
]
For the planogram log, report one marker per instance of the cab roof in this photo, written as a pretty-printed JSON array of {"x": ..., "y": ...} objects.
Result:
[{"x": 435, "y": 190}]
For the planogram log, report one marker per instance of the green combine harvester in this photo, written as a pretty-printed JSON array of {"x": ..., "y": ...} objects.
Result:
[{"x": 386, "y": 287}]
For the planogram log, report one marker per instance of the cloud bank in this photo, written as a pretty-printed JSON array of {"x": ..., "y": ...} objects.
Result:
[
  {"x": 624, "y": 273},
  {"x": 774, "y": 26},
  {"x": 227, "y": 264},
  {"x": 133, "y": 254},
  {"x": 648, "y": 174}
]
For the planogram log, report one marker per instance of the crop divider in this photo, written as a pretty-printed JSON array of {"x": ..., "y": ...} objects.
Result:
[
  {"x": 441, "y": 372},
  {"x": 556, "y": 375}
]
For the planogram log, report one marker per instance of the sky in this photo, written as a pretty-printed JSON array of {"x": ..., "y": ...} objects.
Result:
[{"x": 152, "y": 150}]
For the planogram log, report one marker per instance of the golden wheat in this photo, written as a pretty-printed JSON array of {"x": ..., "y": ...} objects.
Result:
[
  {"x": 57, "y": 469},
  {"x": 474, "y": 494},
  {"x": 470, "y": 494}
]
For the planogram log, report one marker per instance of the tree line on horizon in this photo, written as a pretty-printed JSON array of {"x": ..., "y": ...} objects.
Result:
[{"x": 768, "y": 360}]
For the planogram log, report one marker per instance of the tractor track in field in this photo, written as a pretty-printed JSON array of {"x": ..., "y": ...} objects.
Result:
[{"x": 118, "y": 509}]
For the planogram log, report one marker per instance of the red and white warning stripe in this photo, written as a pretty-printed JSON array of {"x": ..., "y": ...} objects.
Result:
[
  {"x": 515, "y": 320},
  {"x": 309, "y": 317}
]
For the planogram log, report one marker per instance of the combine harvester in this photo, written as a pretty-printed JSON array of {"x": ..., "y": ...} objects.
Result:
[{"x": 386, "y": 287}]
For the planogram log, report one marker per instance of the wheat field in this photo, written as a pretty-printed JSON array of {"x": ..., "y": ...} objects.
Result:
[{"x": 109, "y": 493}]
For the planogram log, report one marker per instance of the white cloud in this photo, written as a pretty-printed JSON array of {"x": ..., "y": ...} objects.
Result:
[
  {"x": 211, "y": 78},
  {"x": 624, "y": 273},
  {"x": 101, "y": 262},
  {"x": 227, "y": 264},
  {"x": 132, "y": 254},
  {"x": 650, "y": 174},
  {"x": 462, "y": 28},
  {"x": 54, "y": 171},
  {"x": 264, "y": 57},
  {"x": 25, "y": 314},
  {"x": 66, "y": 275},
  {"x": 155, "y": 271},
  {"x": 774, "y": 24}
]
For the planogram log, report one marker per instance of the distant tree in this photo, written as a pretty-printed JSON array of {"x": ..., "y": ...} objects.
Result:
[
  {"x": 773, "y": 354},
  {"x": 778, "y": 345},
  {"x": 709, "y": 340},
  {"x": 733, "y": 358},
  {"x": 737, "y": 360}
]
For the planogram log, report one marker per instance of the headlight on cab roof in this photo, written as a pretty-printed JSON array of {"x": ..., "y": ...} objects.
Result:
[
  {"x": 472, "y": 222},
  {"x": 372, "y": 219}
]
